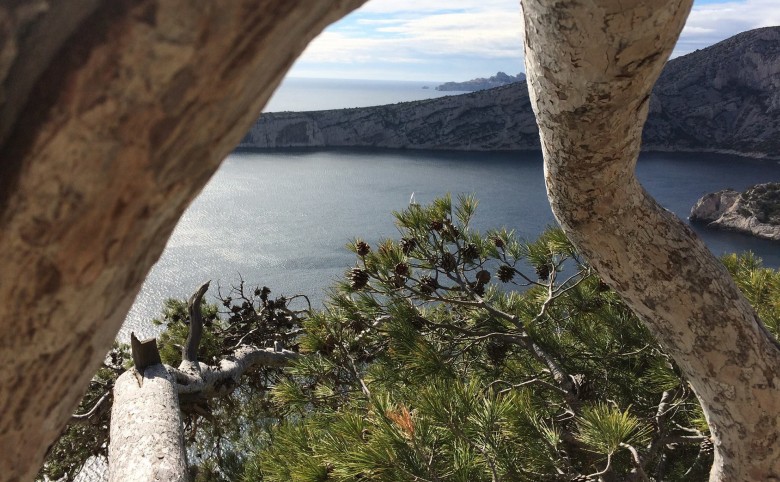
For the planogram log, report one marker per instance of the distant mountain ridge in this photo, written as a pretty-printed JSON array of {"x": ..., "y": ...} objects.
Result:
[
  {"x": 725, "y": 98},
  {"x": 498, "y": 80}
]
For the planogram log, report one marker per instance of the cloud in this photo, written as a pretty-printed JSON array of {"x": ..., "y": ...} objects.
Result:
[
  {"x": 422, "y": 32},
  {"x": 450, "y": 40},
  {"x": 709, "y": 23}
]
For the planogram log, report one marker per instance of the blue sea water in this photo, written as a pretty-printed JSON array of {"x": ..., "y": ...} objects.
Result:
[
  {"x": 300, "y": 94},
  {"x": 282, "y": 218}
]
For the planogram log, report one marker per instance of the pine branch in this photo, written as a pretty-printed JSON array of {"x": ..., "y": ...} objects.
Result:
[{"x": 96, "y": 410}]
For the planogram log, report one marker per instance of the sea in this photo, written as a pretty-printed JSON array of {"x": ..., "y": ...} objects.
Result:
[{"x": 282, "y": 218}]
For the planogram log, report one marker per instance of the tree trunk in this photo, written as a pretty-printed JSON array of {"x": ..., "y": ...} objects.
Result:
[
  {"x": 146, "y": 434},
  {"x": 113, "y": 115},
  {"x": 591, "y": 67}
]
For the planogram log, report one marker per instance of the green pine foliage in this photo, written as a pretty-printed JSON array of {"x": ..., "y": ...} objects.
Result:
[
  {"x": 450, "y": 354},
  {"x": 444, "y": 355}
]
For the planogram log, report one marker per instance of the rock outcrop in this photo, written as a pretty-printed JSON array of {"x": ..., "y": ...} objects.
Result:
[
  {"x": 722, "y": 98},
  {"x": 755, "y": 211},
  {"x": 725, "y": 98},
  {"x": 498, "y": 80},
  {"x": 499, "y": 119}
]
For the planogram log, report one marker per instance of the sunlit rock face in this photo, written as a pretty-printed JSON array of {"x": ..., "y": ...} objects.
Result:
[
  {"x": 725, "y": 98},
  {"x": 755, "y": 211},
  {"x": 722, "y": 98}
]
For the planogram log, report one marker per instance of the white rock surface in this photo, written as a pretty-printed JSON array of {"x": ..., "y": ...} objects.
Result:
[{"x": 742, "y": 212}]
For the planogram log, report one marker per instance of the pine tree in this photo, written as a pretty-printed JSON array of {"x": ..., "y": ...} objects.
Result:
[
  {"x": 454, "y": 355},
  {"x": 445, "y": 355}
]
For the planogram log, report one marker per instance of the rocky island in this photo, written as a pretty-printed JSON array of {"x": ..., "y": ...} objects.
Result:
[
  {"x": 755, "y": 211},
  {"x": 498, "y": 80}
]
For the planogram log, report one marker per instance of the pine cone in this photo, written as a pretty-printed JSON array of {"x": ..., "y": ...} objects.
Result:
[
  {"x": 498, "y": 242},
  {"x": 448, "y": 262},
  {"x": 428, "y": 285},
  {"x": 401, "y": 269},
  {"x": 408, "y": 245},
  {"x": 362, "y": 248},
  {"x": 451, "y": 233},
  {"x": 506, "y": 273},
  {"x": 543, "y": 271},
  {"x": 706, "y": 447},
  {"x": 264, "y": 293},
  {"x": 470, "y": 252},
  {"x": 479, "y": 288},
  {"x": 496, "y": 351},
  {"x": 436, "y": 225},
  {"x": 358, "y": 278},
  {"x": 483, "y": 277}
]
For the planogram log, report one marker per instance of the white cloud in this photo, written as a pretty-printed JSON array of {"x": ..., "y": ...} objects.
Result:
[
  {"x": 711, "y": 23},
  {"x": 456, "y": 32},
  {"x": 421, "y": 29}
]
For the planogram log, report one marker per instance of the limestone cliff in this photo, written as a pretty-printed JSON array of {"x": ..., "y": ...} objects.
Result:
[
  {"x": 498, "y": 119},
  {"x": 755, "y": 211},
  {"x": 722, "y": 98},
  {"x": 498, "y": 80},
  {"x": 725, "y": 98}
]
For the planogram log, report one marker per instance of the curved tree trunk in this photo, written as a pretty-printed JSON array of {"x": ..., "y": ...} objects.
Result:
[
  {"x": 146, "y": 433},
  {"x": 591, "y": 67},
  {"x": 113, "y": 115}
]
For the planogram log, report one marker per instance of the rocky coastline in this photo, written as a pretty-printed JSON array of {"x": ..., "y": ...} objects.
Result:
[
  {"x": 725, "y": 98},
  {"x": 497, "y": 80},
  {"x": 756, "y": 211}
]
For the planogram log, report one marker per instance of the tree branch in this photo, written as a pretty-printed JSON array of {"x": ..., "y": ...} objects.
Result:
[
  {"x": 99, "y": 407},
  {"x": 190, "y": 351},
  {"x": 224, "y": 377}
]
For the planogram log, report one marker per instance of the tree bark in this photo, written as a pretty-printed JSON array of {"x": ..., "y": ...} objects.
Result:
[
  {"x": 591, "y": 67},
  {"x": 147, "y": 442},
  {"x": 113, "y": 115}
]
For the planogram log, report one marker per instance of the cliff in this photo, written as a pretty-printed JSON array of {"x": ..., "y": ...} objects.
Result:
[
  {"x": 498, "y": 119},
  {"x": 722, "y": 98},
  {"x": 755, "y": 211},
  {"x": 725, "y": 98},
  {"x": 498, "y": 80}
]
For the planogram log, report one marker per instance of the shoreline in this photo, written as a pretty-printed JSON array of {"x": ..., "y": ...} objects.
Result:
[{"x": 245, "y": 149}]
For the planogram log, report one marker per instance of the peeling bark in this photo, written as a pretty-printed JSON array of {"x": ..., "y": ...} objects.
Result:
[
  {"x": 113, "y": 115},
  {"x": 146, "y": 415},
  {"x": 147, "y": 443},
  {"x": 590, "y": 68}
]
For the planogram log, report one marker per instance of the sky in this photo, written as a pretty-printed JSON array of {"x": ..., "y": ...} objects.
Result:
[{"x": 456, "y": 40}]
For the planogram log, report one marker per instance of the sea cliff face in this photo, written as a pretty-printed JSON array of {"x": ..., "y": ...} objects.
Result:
[
  {"x": 722, "y": 98},
  {"x": 498, "y": 80},
  {"x": 498, "y": 119},
  {"x": 725, "y": 98},
  {"x": 755, "y": 211}
]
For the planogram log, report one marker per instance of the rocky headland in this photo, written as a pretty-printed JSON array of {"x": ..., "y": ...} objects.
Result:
[
  {"x": 498, "y": 80},
  {"x": 755, "y": 211},
  {"x": 725, "y": 98}
]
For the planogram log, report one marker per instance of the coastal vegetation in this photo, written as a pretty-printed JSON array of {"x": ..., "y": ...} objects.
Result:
[
  {"x": 114, "y": 115},
  {"x": 446, "y": 354}
]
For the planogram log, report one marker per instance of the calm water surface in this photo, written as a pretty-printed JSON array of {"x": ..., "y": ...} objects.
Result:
[
  {"x": 282, "y": 219},
  {"x": 298, "y": 94}
]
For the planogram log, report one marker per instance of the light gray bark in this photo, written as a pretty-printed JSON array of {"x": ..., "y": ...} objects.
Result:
[
  {"x": 214, "y": 381},
  {"x": 113, "y": 115},
  {"x": 146, "y": 439},
  {"x": 146, "y": 435},
  {"x": 591, "y": 66}
]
